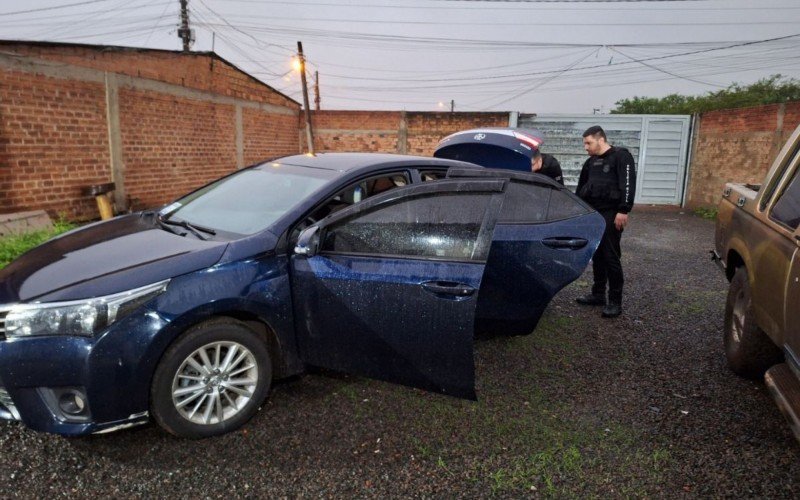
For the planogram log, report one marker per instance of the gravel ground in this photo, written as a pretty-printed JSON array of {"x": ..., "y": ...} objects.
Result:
[{"x": 639, "y": 406}]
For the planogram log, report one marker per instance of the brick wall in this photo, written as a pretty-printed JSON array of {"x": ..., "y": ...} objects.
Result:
[
  {"x": 736, "y": 145},
  {"x": 197, "y": 70},
  {"x": 182, "y": 121},
  {"x": 53, "y": 141},
  {"x": 196, "y": 144},
  {"x": 268, "y": 135},
  {"x": 361, "y": 131},
  {"x": 415, "y": 133}
]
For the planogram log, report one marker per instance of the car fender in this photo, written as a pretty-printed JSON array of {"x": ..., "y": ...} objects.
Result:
[
  {"x": 737, "y": 248},
  {"x": 254, "y": 289}
]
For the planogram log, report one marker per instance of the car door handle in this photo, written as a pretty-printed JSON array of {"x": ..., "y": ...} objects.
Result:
[
  {"x": 448, "y": 288},
  {"x": 573, "y": 243}
]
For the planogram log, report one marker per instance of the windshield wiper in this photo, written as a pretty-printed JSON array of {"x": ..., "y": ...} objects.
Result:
[
  {"x": 162, "y": 224},
  {"x": 193, "y": 228}
]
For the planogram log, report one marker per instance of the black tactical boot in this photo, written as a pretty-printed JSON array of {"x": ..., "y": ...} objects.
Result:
[
  {"x": 613, "y": 309},
  {"x": 591, "y": 299}
]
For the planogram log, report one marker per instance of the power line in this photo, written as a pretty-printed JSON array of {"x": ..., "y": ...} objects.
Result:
[
  {"x": 506, "y": 8},
  {"x": 234, "y": 46},
  {"x": 141, "y": 31},
  {"x": 229, "y": 25},
  {"x": 479, "y": 81},
  {"x": 90, "y": 19},
  {"x": 546, "y": 81},
  {"x": 79, "y": 15},
  {"x": 570, "y": 1},
  {"x": 620, "y": 75},
  {"x": 749, "y": 22},
  {"x": 656, "y": 68},
  {"x": 65, "y": 6},
  {"x": 167, "y": 3},
  {"x": 441, "y": 43}
]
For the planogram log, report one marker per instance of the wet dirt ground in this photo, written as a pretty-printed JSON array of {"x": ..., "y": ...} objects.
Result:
[{"x": 643, "y": 405}]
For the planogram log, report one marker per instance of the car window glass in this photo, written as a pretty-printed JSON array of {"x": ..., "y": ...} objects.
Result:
[
  {"x": 564, "y": 206},
  {"x": 359, "y": 192},
  {"x": 525, "y": 202},
  {"x": 788, "y": 162},
  {"x": 787, "y": 209},
  {"x": 249, "y": 201},
  {"x": 351, "y": 195},
  {"x": 432, "y": 175},
  {"x": 434, "y": 226}
]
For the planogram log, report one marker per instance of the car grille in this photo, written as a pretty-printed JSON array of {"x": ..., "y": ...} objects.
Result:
[{"x": 8, "y": 410}]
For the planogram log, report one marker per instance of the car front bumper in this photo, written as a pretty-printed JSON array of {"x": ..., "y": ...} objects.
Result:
[{"x": 74, "y": 385}]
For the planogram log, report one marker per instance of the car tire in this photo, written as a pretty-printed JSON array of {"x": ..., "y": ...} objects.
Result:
[
  {"x": 211, "y": 380},
  {"x": 750, "y": 352}
]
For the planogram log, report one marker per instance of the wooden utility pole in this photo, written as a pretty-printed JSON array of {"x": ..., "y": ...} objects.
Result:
[
  {"x": 452, "y": 105},
  {"x": 309, "y": 131},
  {"x": 184, "y": 33},
  {"x": 316, "y": 90}
]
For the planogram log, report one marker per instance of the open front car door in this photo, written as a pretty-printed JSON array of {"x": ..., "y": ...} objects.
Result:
[{"x": 388, "y": 287}]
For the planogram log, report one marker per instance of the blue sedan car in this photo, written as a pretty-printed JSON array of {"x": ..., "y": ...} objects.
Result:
[{"x": 376, "y": 265}]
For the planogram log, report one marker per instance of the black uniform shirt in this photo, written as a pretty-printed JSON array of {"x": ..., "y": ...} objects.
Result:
[
  {"x": 551, "y": 168},
  {"x": 608, "y": 181}
]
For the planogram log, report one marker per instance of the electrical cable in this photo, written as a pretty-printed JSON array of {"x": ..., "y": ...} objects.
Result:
[
  {"x": 163, "y": 12},
  {"x": 55, "y": 7},
  {"x": 540, "y": 7}
]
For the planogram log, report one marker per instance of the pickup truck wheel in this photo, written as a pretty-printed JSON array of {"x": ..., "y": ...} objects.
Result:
[
  {"x": 750, "y": 352},
  {"x": 211, "y": 380}
]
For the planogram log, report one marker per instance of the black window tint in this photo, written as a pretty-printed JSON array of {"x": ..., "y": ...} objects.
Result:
[
  {"x": 564, "y": 206},
  {"x": 432, "y": 175},
  {"x": 787, "y": 208},
  {"x": 525, "y": 202},
  {"x": 439, "y": 225}
]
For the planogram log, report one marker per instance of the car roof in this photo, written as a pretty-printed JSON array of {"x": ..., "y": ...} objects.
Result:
[{"x": 350, "y": 162}]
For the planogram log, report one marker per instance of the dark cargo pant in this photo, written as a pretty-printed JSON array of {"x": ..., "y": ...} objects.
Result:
[{"x": 606, "y": 263}]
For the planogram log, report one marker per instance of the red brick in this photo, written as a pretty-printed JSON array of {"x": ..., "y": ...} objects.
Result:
[{"x": 736, "y": 145}]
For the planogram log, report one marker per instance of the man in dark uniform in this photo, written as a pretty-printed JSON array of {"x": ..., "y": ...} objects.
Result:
[
  {"x": 607, "y": 183},
  {"x": 547, "y": 165}
]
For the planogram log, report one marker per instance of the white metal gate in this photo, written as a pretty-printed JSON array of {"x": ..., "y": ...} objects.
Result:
[{"x": 659, "y": 143}]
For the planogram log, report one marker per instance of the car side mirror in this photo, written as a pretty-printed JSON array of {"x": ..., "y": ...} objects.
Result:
[{"x": 308, "y": 242}]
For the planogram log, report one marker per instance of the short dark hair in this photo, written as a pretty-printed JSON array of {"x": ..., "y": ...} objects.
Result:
[
  {"x": 536, "y": 154},
  {"x": 596, "y": 130}
]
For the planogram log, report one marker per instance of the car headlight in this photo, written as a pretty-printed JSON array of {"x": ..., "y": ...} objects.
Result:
[{"x": 80, "y": 317}]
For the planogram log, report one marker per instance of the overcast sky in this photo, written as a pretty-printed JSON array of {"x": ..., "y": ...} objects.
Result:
[{"x": 533, "y": 57}]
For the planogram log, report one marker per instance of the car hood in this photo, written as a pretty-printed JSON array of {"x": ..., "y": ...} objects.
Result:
[{"x": 104, "y": 258}]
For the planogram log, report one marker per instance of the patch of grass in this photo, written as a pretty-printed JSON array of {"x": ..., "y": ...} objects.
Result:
[
  {"x": 690, "y": 302},
  {"x": 575, "y": 456},
  {"x": 12, "y": 246},
  {"x": 707, "y": 213},
  {"x": 524, "y": 435},
  {"x": 350, "y": 392}
]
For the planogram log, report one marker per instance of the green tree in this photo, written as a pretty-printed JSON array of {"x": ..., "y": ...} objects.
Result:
[{"x": 768, "y": 90}]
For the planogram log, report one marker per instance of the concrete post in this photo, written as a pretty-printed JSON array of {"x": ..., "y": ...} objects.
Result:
[
  {"x": 402, "y": 135},
  {"x": 239, "y": 138},
  {"x": 777, "y": 137},
  {"x": 115, "y": 142}
]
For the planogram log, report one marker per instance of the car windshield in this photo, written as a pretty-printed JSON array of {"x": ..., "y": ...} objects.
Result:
[{"x": 249, "y": 201}]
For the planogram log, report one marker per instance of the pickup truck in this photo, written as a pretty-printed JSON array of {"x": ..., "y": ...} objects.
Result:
[{"x": 757, "y": 243}]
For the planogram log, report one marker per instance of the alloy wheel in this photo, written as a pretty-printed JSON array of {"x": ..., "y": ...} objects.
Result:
[{"x": 215, "y": 382}]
